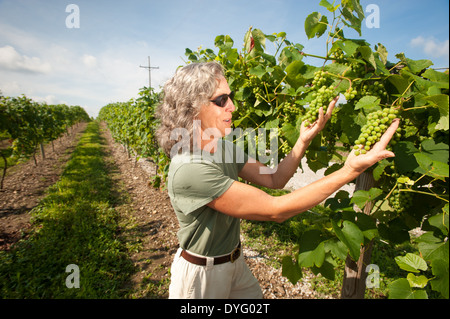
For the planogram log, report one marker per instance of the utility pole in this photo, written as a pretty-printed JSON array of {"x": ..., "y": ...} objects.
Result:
[{"x": 149, "y": 67}]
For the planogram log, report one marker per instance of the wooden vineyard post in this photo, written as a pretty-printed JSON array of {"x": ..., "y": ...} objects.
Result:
[
  {"x": 355, "y": 275},
  {"x": 42, "y": 151}
]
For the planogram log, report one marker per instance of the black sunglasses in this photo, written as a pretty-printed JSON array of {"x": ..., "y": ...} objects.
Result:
[{"x": 222, "y": 100}]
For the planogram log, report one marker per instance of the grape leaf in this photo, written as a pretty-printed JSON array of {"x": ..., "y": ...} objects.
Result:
[
  {"x": 361, "y": 197},
  {"x": 368, "y": 103},
  {"x": 404, "y": 158},
  {"x": 315, "y": 25},
  {"x": 430, "y": 167},
  {"x": 259, "y": 71},
  {"x": 330, "y": 7},
  {"x": 291, "y": 270},
  {"x": 437, "y": 152},
  {"x": 311, "y": 250},
  {"x": 400, "y": 83},
  {"x": 401, "y": 289},
  {"x": 440, "y": 101},
  {"x": 418, "y": 65},
  {"x": 432, "y": 248},
  {"x": 368, "y": 55},
  {"x": 417, "y": 281},
  {"x": 436, "y": 76},
  {"x": 351, "y": 236},
  {"x": 326, "y": 270},
  {"x": 440, "y": 269},
  {"x": 291, "y": 133},
  {"x": 411, "y": 263}
]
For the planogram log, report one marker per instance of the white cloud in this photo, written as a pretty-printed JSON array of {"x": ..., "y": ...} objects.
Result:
[
  {"x": 10, "y": 88},
  {"x": 432, "y": 47},
  {"x": 78, "y": 72},
  {"x": 10, "y": 59},
  {"x": 49, "y": 99},
  {"x": 89, "y": 60}
]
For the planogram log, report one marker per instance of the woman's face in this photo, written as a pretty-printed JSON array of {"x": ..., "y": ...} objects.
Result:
[{"x": 216, "y": 120}]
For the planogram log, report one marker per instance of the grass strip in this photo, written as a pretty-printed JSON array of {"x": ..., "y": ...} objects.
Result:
[{"x": 75, "y": 224}]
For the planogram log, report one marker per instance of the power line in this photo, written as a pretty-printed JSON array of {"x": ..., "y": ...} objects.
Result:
[{"x": 149, "y": 67}]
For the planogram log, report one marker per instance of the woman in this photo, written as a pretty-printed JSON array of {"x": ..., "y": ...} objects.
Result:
[{"x": 206, "y": 195}]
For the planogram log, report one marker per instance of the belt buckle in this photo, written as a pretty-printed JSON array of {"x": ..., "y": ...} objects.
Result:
[{"x": 235, "y": 254}]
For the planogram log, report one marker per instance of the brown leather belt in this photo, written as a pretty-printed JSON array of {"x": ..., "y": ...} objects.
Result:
[{"x": 217, "y": 261}]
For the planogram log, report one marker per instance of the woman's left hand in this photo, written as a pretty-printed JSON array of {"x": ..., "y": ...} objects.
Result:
[
  {"x": 378, "y": 152},
  {"x": 307, "y": 133}
]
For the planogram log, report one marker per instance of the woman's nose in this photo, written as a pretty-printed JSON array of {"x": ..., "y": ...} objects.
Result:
[{"x": 230, "y": 105}]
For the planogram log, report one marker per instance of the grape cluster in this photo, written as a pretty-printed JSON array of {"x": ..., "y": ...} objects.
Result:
[
  {"x": 377, "y": 124},
  {"x": 290, "y": 110},
  {"x": 255, "y": 84},
  {"x": 337, "y": 55},
  {"x": 375, "y": 89},
  {"x": 322, "y": 95},
  {"x": 319, "y": 78},
  {"x": 321, "y": 98},
  {"x": 400, "y": 200},
  {"x": 350, "y": 94},
  {"x": 332, "y": 131},
  {"x": 359, "y": 69},
  {"x": 285, "y": 148}
]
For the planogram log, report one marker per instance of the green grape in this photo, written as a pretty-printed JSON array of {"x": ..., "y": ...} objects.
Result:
[
  {"x": 350, "y": 94},
  {"x": 371, "y": 132},
  {"x": 290, "y": 111},
  {"x": 285, "y": 148},
  {"x": 374, "y": 88},
  {"x": 400, "y": 200},
  {"x": 359, "y": 69},
  {"x": 319, "y": 78},
  {"x": 321, "y": 98},
  {"x": 322, "y": 95},
  {"x": 337, "y": 55}
]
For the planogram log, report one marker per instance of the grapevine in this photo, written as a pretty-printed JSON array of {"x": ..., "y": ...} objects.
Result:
[
  {"x": 27, "y": 124},
  {"x": 281, "y": 92}
]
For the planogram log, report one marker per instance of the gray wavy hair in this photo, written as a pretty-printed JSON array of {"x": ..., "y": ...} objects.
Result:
[{"x": 183, "y": 95}]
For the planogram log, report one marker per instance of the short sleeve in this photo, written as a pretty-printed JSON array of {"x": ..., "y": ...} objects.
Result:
[{"x": 197, "y": 184}]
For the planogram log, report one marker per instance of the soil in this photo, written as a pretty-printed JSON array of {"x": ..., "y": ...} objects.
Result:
[
  {"x": 25, "y": 185},
  {"x": 147, "y": 208}
]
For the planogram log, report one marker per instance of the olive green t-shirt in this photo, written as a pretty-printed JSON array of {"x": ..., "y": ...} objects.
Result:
[{"x": 195, "y": 180}]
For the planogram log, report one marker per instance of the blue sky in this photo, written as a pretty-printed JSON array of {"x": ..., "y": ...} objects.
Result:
[{"x": 98, "y": 63}]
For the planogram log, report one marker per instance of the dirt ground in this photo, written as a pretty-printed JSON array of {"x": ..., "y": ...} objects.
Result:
[
  {"x": 148, "y": 209},
  {"x": 155, "y": 223},
  {"x": 25, "y": 185}
]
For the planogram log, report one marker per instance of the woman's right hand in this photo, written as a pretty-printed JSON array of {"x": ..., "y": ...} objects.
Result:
[
  {"x": 308, "y": 132},
  {"x": 378, "y": 152}
]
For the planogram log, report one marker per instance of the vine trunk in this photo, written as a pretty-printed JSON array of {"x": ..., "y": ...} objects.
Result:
[{"x": 355, "y": 275}]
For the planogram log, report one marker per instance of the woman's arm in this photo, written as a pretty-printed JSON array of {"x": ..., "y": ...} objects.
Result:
[
  {"x": 248, "y": 202},
  {"x": 277, "y": 177}
]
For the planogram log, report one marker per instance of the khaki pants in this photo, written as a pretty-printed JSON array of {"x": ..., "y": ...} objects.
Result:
[{"x": 224, "y": 281}]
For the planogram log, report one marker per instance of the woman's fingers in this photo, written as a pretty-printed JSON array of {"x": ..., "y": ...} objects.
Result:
[
  {"x": 376, "y": 154},
  {"x": 323, "y": 118},
  {"x": 331, "y": 107},
  {"x": 387, "y": 136}
]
